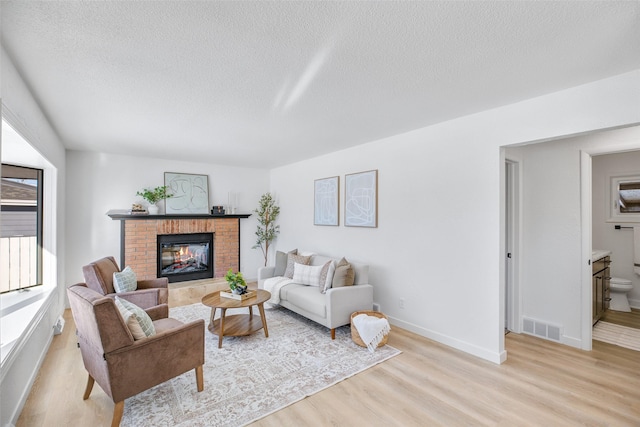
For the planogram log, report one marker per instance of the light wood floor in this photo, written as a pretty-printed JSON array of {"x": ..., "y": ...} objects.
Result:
[
  {"x": 541, "y": 384},
  {"x": 631, "y": 320}
]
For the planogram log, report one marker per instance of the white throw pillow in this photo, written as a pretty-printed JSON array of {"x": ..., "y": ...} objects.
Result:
[
  {"x": 137, "y": 320},
  {"x": 125, "y": 280},
  {"x": 307, "y": 274}
]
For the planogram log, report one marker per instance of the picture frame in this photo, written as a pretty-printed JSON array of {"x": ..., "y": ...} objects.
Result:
[
  {"x": 326, "y": 201},
  {"x": 190, "y": 193},
  {"x": 361, "y": 199}
]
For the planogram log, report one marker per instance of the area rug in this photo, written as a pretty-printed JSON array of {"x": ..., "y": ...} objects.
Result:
[
  {"x": 622, "y": 336},
  {"x": 253, "y": 376}
]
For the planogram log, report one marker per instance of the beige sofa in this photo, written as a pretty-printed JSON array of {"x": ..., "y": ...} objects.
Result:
[{"x": 331, "y": 309}]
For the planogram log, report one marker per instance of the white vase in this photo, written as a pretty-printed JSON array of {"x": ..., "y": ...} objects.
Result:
[{"x": 153, "y": 210}]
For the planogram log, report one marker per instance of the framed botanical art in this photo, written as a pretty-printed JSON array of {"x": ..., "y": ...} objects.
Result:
[
  {"x": 361, "y": 199},
  {"x": 326, "y": 201},
  {"x": 190, "y": 193}
]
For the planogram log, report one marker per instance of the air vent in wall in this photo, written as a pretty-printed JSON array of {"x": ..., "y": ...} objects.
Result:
[{"x": 541, "y": 329}]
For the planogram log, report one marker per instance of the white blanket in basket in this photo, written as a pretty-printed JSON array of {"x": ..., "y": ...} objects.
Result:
[{"x": 371, "y": 329}]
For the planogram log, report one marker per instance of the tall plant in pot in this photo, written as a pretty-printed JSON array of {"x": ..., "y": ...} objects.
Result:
[
  {"x": 153, "y": 196},
  {"x": 267, "y": 230}
]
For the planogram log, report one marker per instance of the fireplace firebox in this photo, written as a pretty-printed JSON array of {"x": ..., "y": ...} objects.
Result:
[{"x": 184, "y": 257}]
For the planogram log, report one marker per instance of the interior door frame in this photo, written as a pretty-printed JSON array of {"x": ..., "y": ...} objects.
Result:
[
  {"x": 512, "y": 240},
  {"x": 586, "y": 249}
]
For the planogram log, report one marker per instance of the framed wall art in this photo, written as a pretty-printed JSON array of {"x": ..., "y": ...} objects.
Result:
[
  {"x": 326, "y": 201},
  {"x": 190, "y": 193},
  {"x": 361, "y": 199}
]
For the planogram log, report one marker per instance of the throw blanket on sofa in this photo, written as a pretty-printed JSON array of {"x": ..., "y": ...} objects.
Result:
[
  {"x": 371, "y": 329},
  {"x": 273, "y": 285}
]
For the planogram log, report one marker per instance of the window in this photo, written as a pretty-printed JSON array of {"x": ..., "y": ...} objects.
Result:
[
  {"x": 20, "y": 228},
  {"x": 624, "y": 198},
  {"x": 629, "y": 197}
]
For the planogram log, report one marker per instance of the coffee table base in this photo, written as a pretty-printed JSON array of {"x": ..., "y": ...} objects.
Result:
[{"x": 237, "y": 325}]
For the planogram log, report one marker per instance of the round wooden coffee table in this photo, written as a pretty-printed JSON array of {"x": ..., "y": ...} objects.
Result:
[{"x": 236, "y": 324}]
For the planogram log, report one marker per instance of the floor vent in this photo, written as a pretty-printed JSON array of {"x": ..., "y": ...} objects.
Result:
[{"x": 541, "y": 329}]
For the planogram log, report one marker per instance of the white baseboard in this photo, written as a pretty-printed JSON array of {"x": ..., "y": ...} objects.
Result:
[
  {"x": 634, "y": 303},
  {"x": 483, "y": 353}
]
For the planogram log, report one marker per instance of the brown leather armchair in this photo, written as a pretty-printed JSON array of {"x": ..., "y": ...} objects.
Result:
[
  {"x": 99, "y": 276},
  {"x": 122, "y": 366}
]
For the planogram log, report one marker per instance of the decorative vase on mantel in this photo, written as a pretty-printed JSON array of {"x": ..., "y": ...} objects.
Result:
[{"x": 153, "y": 209}]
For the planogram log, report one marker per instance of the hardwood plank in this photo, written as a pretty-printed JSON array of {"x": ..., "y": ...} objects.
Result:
[
  {"x": 542, "y": 383},
  {"x": 630, "y": 320}
]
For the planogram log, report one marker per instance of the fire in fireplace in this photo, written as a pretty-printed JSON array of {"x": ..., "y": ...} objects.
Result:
[{"x": 184, "y": 257}]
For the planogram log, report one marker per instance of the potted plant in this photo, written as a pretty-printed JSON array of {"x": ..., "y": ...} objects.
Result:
[
  {"x": 236, "y": 282},
  {"x": 154, "y": 196},
  {"x": 267, "y": 230}
]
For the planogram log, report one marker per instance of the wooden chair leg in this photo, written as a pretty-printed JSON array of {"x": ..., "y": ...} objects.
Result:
[
  {"x": 199, "y": 378},
  {"x": 88, "y": 388},
  {"x": 118, "y": 410},
  {"x": 333, "y": 333}
]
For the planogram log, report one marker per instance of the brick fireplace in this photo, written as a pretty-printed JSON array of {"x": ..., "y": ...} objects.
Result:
[{"x": 138, "y": 239}]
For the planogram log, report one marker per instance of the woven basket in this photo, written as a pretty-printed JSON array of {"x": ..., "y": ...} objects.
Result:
[{"x": 355, "y": 336}]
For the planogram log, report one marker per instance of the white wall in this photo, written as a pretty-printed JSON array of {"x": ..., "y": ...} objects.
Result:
[
  {"x": 439, "y": 239},
  {"x": 99, "y": 182},
  {"x": 21, "y": 110},
  {"x": 605, "y": 236}
]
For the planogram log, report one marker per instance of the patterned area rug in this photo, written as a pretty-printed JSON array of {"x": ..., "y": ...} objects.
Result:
[
  {"x": 622, "y": 336},
  {"x": 253, "y": 376}
]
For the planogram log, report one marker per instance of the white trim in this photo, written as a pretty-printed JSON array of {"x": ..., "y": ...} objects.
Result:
[
  {"x": 472, "y": 349},
  {"x": 46, "y": 300},
  {"x": 586, "y": 249},
  {"x": 515, "y": 298}
]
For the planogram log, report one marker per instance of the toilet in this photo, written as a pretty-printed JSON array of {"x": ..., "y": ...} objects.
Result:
[{"x": 618, "y": 291}]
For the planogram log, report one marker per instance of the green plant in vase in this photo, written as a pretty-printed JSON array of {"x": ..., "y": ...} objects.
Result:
[
  {"x": 153, "y": 196},
  {"x": 236, "y": 282}
]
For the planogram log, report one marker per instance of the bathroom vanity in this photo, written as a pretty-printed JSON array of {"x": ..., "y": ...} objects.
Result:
[{"x": 600, "y": 281}]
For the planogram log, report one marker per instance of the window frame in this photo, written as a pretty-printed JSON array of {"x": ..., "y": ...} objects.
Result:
[
  {"x": 613, "y": 198},
  {"x": 39, "y": 176}
]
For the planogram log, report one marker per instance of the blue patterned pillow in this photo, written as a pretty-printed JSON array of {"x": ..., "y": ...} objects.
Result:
[
  {"x": 137, "y": 320},
  {"x": 125, "y": 280}
]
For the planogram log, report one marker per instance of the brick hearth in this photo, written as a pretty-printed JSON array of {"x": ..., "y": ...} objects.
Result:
[{"x": 139, "y": 241}]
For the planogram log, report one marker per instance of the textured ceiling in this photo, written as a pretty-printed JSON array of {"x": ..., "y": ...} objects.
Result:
[{"x": 263, "y": 84}]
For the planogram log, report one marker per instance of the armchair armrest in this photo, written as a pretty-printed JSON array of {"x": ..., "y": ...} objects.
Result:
[
  {"x": 145, "y": 298},
  {"x": 151, "y": 361},
  {"x": 160, "y": 282},
  {"x": 158, "y": 312},
  {"x": 342, "y": 302}
]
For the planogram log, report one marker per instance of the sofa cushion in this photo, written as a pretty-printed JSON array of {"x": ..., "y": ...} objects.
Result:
[
  {"x": 311, "y": 275},
  {"x": 281, "y": 261},
  {"x": 344, "y": 275},
  {"x": 125, "y": 280},
  {"x": 137, "y": 320},
  {"x": 305, "y": 297},
  {"x": 291, "y": 261}
]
